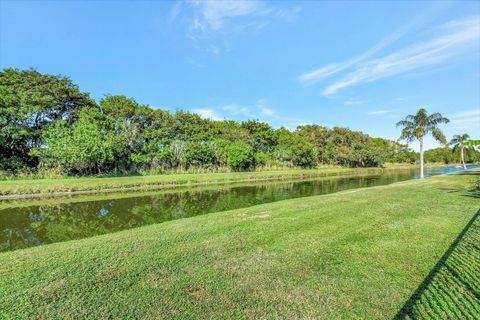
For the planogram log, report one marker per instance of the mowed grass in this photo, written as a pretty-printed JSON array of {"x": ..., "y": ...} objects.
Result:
[
  {"x": 452, "y": 289},
  {"x": 355, "y": 254},
  {"x": 12, "y": 188}
]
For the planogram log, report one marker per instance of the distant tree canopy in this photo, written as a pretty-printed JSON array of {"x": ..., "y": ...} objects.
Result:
[
  {"x": 29, "y": 103},
  {"x": 449, "y": 155},
  {"x": 46, "y": 122}
]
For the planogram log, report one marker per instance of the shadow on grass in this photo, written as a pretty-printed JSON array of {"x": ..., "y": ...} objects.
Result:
[
  {"x": 473, "y": 192},
  {"x": 452, "y": 288},
  {"x": 468, "y": 173}
]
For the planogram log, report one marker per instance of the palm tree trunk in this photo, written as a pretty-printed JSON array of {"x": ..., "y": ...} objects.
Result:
[
  {"x": 463, "y": 158},
  {"x": 421, "y": 158}
]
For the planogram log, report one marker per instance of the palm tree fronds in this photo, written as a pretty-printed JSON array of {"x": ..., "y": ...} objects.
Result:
[
  {"x": 436, "y": 118},
  {"x": 438, "y": 135}
]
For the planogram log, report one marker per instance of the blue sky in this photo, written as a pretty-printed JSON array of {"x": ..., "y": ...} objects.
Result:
[{"x": 361, "y": 65}]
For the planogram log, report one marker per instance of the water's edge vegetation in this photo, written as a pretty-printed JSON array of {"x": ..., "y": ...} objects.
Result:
[
  {"x": 26, "y": 188},
  {"x": 353, "y": 254}
]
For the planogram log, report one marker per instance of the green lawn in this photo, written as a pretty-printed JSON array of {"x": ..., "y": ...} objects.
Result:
[
  {"x": 452, "y": 289},
  {"x": 360, "y": 253}
]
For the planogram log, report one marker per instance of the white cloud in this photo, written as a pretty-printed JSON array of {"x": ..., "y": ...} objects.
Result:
[
  {"x": 324, "y": 72},
  {"x": 207, "y": 114},
  {"x": 474, "y": 112},
  {"x": 267, "y": 111},
  {"x": 210, "y": 23},
  {"x": 461, "y": 36},
  {"x": 351, "y": 102},
  {"x": 260, "y": 106},
  {"x": 259, "y": 110},
  {"x": 175, "y": 10},
  {"x": 334, "y": 68},
  {"x": 264, "y": 110},
  {"x": 379, "y": 112},
  {"x": 466, "y": 119},
  {"x": 213, "y": 15},
  {"x": 216, "y": 15},
  {"x": 474, "y": 120},
  {"x": 450, "y": 40},
  {"x": 237, "y": 110}
]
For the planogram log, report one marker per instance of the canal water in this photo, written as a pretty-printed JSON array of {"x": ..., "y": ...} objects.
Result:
[{"x": 35, "y": 222}]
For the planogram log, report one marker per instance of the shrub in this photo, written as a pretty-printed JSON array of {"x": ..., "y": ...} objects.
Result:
[
  {"x": 200, "y": 154},
  {"x": 261, "y": 159},
  {"x": 240, "y": 156},
  {"x": 304, "y": 155}
]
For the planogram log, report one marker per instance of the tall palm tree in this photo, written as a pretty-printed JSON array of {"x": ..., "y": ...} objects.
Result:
[
  {"x": 417, "y": 126},
  {"x": 458, "y": 142}
]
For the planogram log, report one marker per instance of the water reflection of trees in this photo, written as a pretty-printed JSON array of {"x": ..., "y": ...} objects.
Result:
[{"x": 29, "y": 226}]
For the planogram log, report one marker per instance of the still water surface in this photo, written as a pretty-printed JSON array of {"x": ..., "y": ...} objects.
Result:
[{"x": 25, "y": 225}]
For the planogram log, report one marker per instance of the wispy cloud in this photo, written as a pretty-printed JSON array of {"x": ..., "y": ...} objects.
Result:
[
  {"x": 259, "y": 110},
  {"x": 474, "y": 112},
  {"x": 264, "y": 110},
  {"x": 473, "y": 120},
  {"x": 377, "y": 112},
  {"x": 207, "y": 16},
  {"x": 331, "y": 69},
  {"x": 267, "y": 112},
  {"x": 466, "y": 119},
  {"x": 236, "y": 110},
  {"x": 448, "y": 41},
  {"x": 352, "y": 102},
  {"x": 214, "y": 15},
  {"x": 207, "y": 114}
]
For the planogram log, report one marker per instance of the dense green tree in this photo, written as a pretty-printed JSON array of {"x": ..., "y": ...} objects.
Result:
[
  {"x": 417, "y": 126},
  {"x": 48, "y": 123},
  {"x": 262, "y": 134},
  {"x": 200, "y": 154},
  {"x": 440, "y": 155},
  {"x": 124, "y": 123},
  {"x": 241, "y": 156},
  {"x": 82, "y": 148},
  {"x": 294, "y": 149},
  {"x": 471, "y": 154},
  {"x": 367, "y": 154},
  {"x": 403, "y": 154},
  {"x": 304, "y": 155},
  {"x": 29, "y": 101},
  {"x": 188, "y": 126},
  {"x": 345, "y": 147}
]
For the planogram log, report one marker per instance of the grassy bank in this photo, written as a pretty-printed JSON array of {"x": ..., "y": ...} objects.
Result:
[
  {"x": 94, "y": 184},
  {"x": 38, "y": 187},
  {"x": 355, "y": 254},
  {"x": 53, "y": 200}
]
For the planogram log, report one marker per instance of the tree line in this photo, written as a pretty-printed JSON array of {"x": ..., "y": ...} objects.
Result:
[{"x": 48, "y": 124}]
